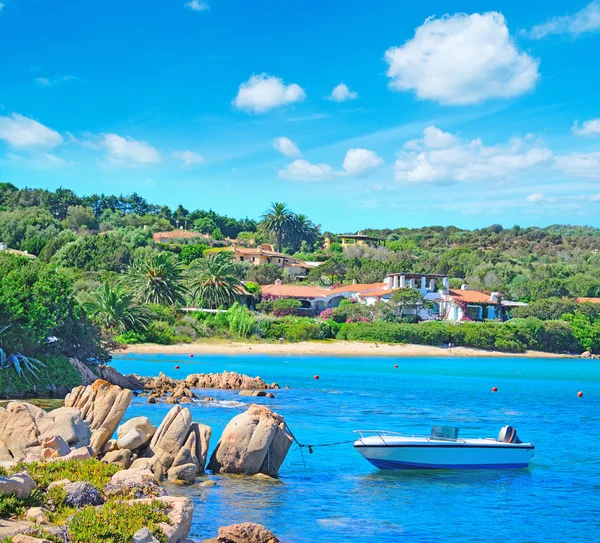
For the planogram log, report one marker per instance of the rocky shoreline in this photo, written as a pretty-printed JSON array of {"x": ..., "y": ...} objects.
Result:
[{"x": 88, "y": 436}]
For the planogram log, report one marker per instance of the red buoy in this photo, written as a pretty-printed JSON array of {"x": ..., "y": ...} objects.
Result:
[
  {"x": 317, "y": 377},
  {"x": 191, "y": 355},
  {"x": 580, "y": 394},
  {"x": 176, "y": 367},
  {"x": 395, "y": 365},
  {"x": 494, "y": 389}
]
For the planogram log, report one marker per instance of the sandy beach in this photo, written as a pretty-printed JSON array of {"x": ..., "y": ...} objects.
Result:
[{"x": 325, "y": 348}]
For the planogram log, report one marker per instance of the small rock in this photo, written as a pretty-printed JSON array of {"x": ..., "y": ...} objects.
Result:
[
  {"x": 144, "y": 536},
  {"x": 21, "y": 538},
  {"x": 80, "y": 494},
  {"x": 586, "y": 354},
  {"x": 210, "y": 482},
  {"x": 135, "y": 433},
  {"x": 111, "y": 445},
  {"x": 269, "y": 395},
  {"x": 121, "y": 457},
  {"x": 247, "y": 532},
  {"x": 151, "y": 399},
  {"x": 62, "y": 482},
  {"x": 19, "y": 484},
  {"x": 37, "y": 515},
  {"x": 54, "y": 446},
  {"x": 75, "y": 454},
  {"x": 171, "y": 399},
  {"x": 185, "y": 473}
]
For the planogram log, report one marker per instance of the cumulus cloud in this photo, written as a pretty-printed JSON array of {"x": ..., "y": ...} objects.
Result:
[
  {"x": 196, "y": 5},
  {"x": 302, "y": 170},
  {"x": 264, "y": 92},
  {"x": 588, "y": 128},
  {"x": 189, "y": 158},
  {"x": 361, "y": 162},
  {"x": 462, "y": 59},
  {"x": 586, "y": 166},
  {"x": 442, "y": 157},
  {"x": 536, "y": 198},
  {"x": 341, "y": 93},
  {"x": 19, "y": 131},
  {"x": 287, "y": 147},
  {"x": 585, "y": 20},
  {"x": 128, "y": 152}
]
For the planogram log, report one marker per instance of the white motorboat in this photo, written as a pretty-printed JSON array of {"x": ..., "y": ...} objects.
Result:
[{"x": 443, "y": 450}]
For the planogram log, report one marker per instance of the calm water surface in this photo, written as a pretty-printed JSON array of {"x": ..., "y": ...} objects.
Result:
[{"x": 336, "y": 496}]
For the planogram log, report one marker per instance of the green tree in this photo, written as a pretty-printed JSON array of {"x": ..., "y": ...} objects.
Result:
[
  {"x": 116, "y": 310},
  {"x": 158, "y": 279},
  {"x": 214, "y": 281},
  {"x": 79, "y": 217},
  {"x": 406, "y": 297},
  {"x": 265, "y": 274},
  {"x": 205, "y": 225},
  {"x": 301, "y": 229},
  {"x": 277, "y": 221},
  {"x": 189, "y": 253}
]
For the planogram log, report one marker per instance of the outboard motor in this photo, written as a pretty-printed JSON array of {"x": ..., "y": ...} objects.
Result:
[{"x": 508, "y": 435}]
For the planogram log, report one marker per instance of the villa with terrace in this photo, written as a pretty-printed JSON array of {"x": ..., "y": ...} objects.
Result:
[{"x": 442, "y": 302}]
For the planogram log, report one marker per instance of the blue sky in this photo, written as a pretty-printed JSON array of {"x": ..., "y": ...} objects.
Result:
[{"x": 386, "y": 115}]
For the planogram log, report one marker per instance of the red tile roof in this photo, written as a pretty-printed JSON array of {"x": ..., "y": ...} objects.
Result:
[
  {"x": 471, "y": 296},
  {"x": 309, "y": 291}
]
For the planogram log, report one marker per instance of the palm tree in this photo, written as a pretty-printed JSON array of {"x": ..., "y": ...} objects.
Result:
[
  {"x": 116, "y": 309},
  {"x": 158, "y": 279},
  {"x": 214, "y": 280},
  {"x": 302, "y": 229},
  {"x": 277, "y": 221}
]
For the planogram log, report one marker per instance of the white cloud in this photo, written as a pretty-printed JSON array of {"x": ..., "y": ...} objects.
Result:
[
  {"x": 588, "y": 128},
  {"x": 443, "y": 157},
  {"x": 19, "y": 131},
  {"x": 264, "y": 92},
  {"x": 287, "y": 147},
  {"x": 47, "y": 82},
  {"x": 582, "y": 165},
  {"x": 189, "y": 158},
  {"x": 302, "y": 170},
  {"x": 341, "y": 93},
  {"x": 196, "y": 5},
  {"x": 462, "y": 59},
  {"x": 361, "y": 162},
  {"x": 585, "y": 20},
  {"x": 536, "y": 198},
  {"x": 128, "y": 152}
]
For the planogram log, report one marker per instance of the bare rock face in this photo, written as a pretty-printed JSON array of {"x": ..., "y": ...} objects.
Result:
[
  {"x": 135, "y": 433},
  {"x": 110, "y": 374},
  {"x": 80, "y": 494},
  {"x": 179, "y": 447},
  {"x": 54, "y": 446},
  {"x": 227, "y": 380},
  {"x": 24, "y": 428},
  {"x": 144, "y": 536},
  {"x": 19, "y": 484},
  {"x": 120, "y": 457},
  {"x": 256, "y": 441},
  {"x": 246, "y": 532},
  {"x": 102, "y": 407}
]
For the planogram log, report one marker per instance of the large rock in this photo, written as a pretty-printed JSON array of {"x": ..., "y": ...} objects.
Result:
[
  {"x": 80, "y": 494},
  {"x": 134, "y": 483},
  {"x": 256, "y": 441},
  {"x": 135, "y": 433},
  {"x": 102, "y": 407},
  {"x": 227, "y": 380},
  {"x": 246, "y": 532},
  {"x": 170, "y": 436},
  {"x": 110, "y": 374},
  {"x": 180, "y": 514},
  {"x": 24, "y": 427},
  {"x": 20, "y": 485}
]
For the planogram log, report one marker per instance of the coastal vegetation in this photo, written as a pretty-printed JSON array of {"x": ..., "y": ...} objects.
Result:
[{"x": 103, "y": 278}]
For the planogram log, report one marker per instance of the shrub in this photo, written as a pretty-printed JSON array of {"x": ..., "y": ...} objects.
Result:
[
  {"x": 297, "y": 329},
  {"x": 548, "y": 309},
  {"x": 91, "y": 471},
  {"x": 241, "y": 321},
  {"x": 131, "y": 338},
  {"x": 280, "y": 307}
]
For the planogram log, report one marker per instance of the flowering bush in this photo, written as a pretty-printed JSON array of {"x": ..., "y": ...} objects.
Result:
[{"x": 326, "y": 314}]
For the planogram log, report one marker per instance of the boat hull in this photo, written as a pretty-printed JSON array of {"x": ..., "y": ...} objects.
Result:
[{"x": 446, "y": 456}]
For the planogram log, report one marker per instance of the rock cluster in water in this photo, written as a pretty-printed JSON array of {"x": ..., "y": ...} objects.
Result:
[{"x": 253, "y": 442}]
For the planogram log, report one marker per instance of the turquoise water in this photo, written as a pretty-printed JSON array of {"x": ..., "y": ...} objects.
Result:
[{"x": 336, "y": 496}]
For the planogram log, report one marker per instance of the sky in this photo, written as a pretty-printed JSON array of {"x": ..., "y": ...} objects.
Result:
[{"x": 390, "y": 114}]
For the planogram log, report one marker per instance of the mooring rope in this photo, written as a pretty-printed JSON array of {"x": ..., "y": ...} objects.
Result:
[{"x": 312, "y": 446}]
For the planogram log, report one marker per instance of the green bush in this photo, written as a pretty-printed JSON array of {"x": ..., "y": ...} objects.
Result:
[
  {"x": 297, "y": 329},
  {"x": 90, "y": 471},
  {"x": 131, "y": 338},
  {"x": 164, "y": 334},
  {"x": 241, "y": 321}
]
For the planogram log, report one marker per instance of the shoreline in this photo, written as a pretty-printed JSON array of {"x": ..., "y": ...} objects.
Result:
[{"x": 324, "y": 348}]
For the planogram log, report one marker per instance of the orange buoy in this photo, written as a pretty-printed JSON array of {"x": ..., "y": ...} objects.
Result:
[
  {"x": 317, "y": 377},
  {"x": 580, "y": 394},
  {"x": 395, "y": 365},
  {"x": 494, "y": 389},
  {"x": 176, "y": 367}
]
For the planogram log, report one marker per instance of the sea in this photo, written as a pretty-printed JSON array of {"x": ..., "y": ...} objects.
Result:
[{"x": 334, "y": 495}]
